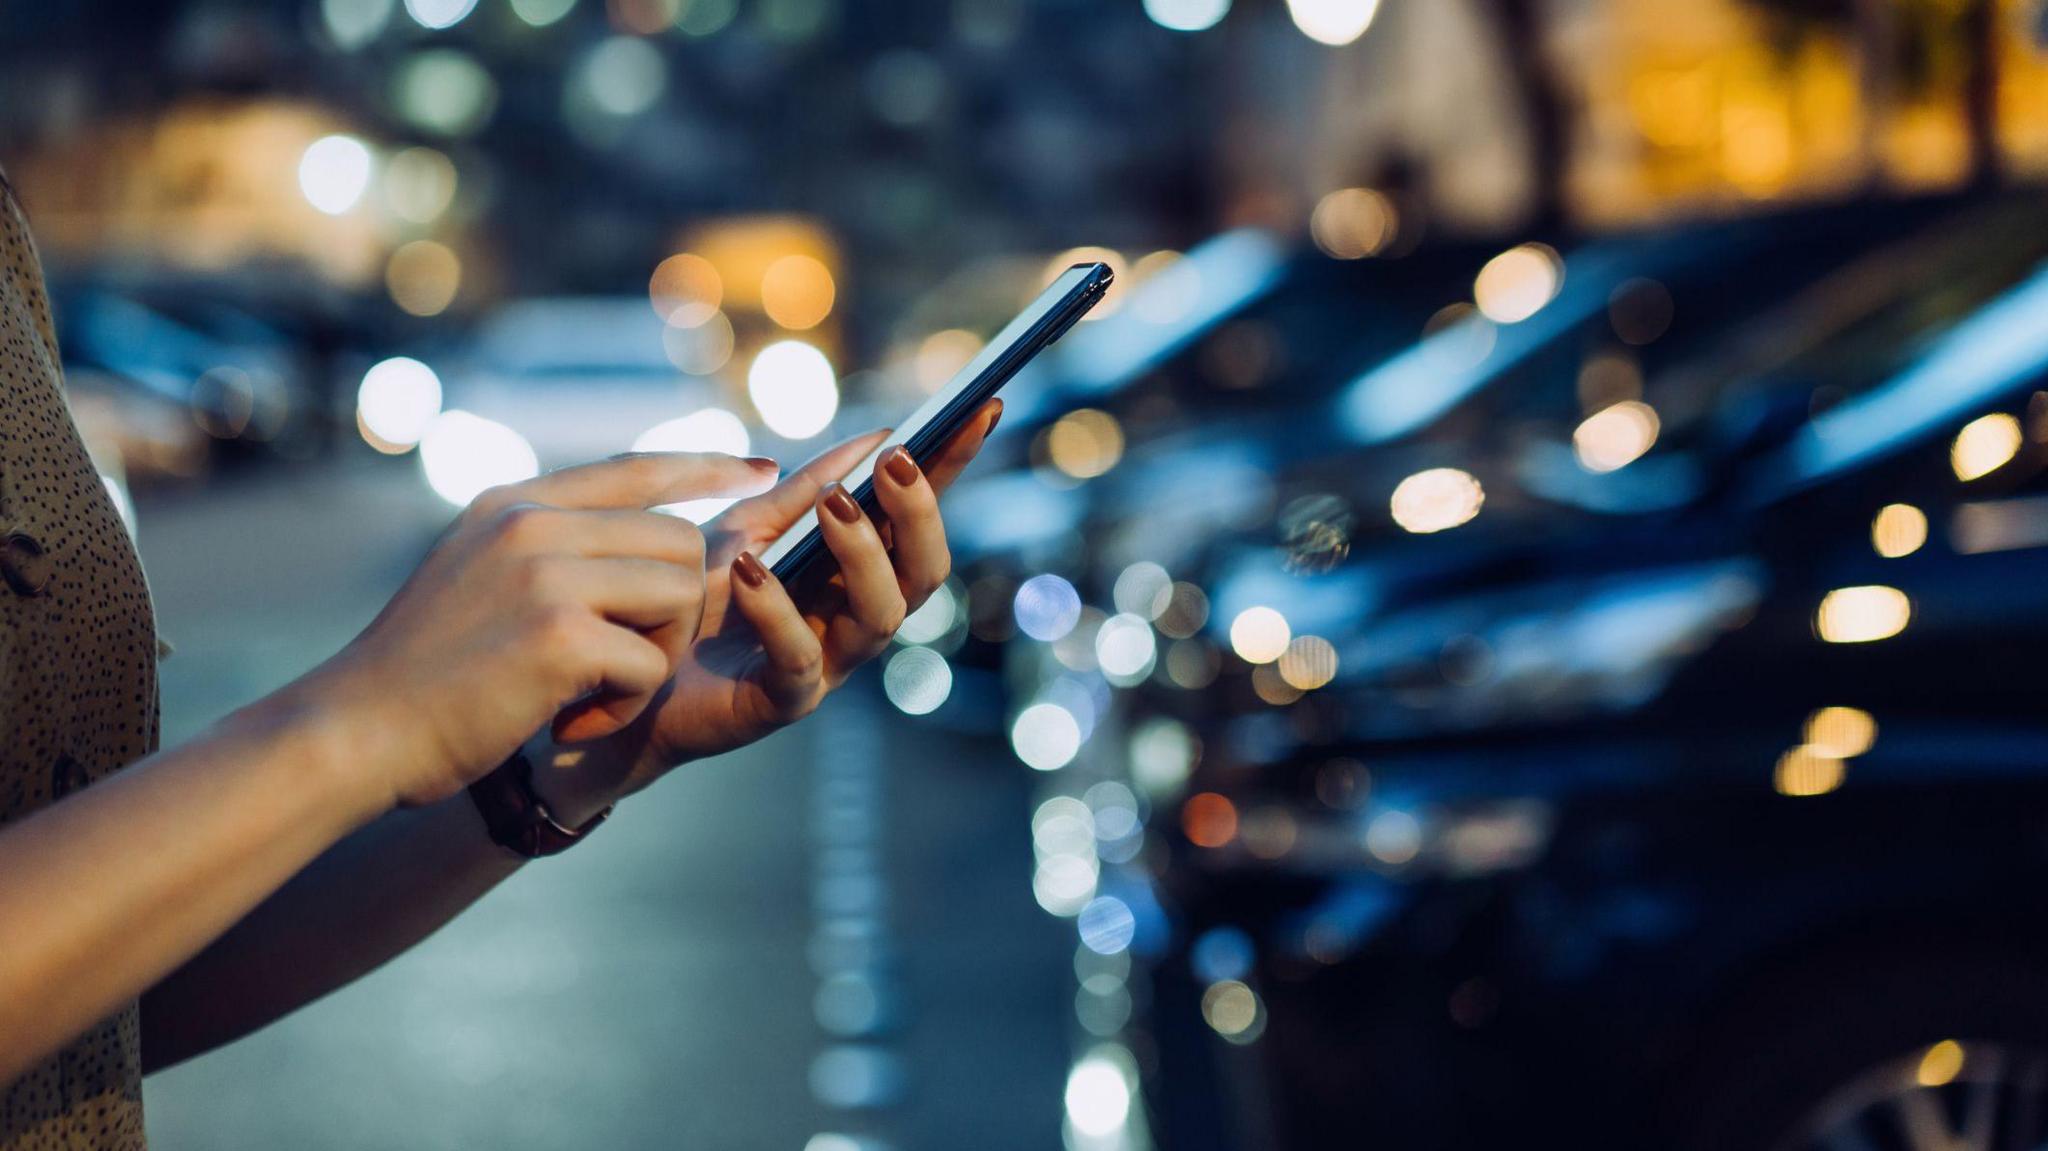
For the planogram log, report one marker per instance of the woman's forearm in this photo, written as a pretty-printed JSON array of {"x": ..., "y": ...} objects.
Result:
[
  {"x": 107, "y": 892},
  {"x": 370, "y": 897}
]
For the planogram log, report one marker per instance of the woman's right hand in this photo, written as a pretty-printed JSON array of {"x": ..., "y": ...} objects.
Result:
[{"x": 561, "y": 598}]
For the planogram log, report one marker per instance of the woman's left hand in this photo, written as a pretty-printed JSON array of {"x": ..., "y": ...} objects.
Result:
[{"x": 762, "y": 661}]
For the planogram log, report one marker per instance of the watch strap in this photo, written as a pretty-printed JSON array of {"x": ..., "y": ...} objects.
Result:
[{"x": 518, "y": 819}]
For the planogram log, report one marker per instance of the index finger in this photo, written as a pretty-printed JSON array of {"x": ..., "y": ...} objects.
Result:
[{"x": 647, "y": 479}]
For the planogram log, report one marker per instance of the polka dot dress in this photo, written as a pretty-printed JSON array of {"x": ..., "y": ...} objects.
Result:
[{"x": 77, "y": 675}]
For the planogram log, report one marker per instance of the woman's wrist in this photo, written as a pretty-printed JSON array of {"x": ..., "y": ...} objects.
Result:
[{"x": 328, "y": 751}]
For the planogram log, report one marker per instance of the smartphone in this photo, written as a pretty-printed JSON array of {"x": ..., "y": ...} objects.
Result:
[{"x": 800, "y": 554}]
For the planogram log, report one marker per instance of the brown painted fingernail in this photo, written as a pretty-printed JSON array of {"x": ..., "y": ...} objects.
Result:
[
  {"x": 841, "y": 505},
  {"x": 749, "y": 569},
  {"x": 994, "y": 420},
  {"x": 900, "y": 466}
]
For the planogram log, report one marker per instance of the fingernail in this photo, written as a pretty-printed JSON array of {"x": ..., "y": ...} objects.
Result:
[
  {"x": 994, "y": 420},
  {"x": 749, "y": 569},
  {"x": 841, "y": 505},
  {"x": 900, "y": 466},
  {"x": 764, "y": 463}
]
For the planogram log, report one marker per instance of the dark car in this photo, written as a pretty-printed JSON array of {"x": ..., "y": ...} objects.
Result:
[{"x": 1685, "y": 790}]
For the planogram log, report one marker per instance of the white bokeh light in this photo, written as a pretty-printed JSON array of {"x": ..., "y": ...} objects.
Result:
[
  {"x": 934, "y": 619},
  {"x": 1063, "y": 884},
  {"x": 625, "y": 75},
  {"x": 334, "y": 172},
  {"x": 707, "y": 430},
  {"x": 1098, "y": 1097},
  {"x": 1063, "y": 825},
  {"x": 398, "y": 399},
  {"x": 1143, "y": 588},
  {"x": 1333, "y": 22},
  {"x": 1436, "y": 499},
  {"x": 1517, "y": 283},
  {"x": 464, "y": 453},
  {"x": 917, "y": 680},
  {"x": 1259, "y": 635},
  {"x": 354, "y": 23},
  {"x": 794, "y": 388},
  {"x": 541, "y": 13},
  {"x": 1046, "y": 736},
  {"x": 1125, "y": 649},
  {"x": 1187, "y": 15},
  {"x": 1107, "y": 925},
  {"x": 439, "y": 14},
  {"x": 1047, "y": 607}
]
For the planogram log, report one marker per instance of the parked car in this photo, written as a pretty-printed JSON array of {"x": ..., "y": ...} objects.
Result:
[{"x": 1672, "y": 778}]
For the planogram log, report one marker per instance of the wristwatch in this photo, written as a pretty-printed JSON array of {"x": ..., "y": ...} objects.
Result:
[{"x": 517, "y": 818}]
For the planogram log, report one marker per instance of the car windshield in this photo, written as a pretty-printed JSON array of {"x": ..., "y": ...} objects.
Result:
[{"x": 1594, "y": 424}]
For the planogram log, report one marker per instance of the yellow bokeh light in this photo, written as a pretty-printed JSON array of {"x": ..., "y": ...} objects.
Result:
[
  {"x": 687, "y": 283},
  {"x": 1152, "y": 263},
  {"x": 797, "y": 292},
  {"x": 1984, "y": 445},
  {"x": 1230, "y": 1007},
  {"x": 1309, "y": 662},
  {"x": 1085, "y": 443},
  {"x": 1842, "y": 732},
  {"x": 1807, "y": 770},
  {"x": 1898, "y": 530},
  {"x": 1517, "y": 283},
  {"x": 941, "y": 355},
  {"x": 1353, "y": 223},
  {"x": 1757, "y": 142},
  {"x": 1259, "y": 635},
  {"x": 1862, "y": 614},
  {"x": 419, "y": 184},
  {"x": 423, "y": 277},
  {"x": 1436, "y": 500},
  {"x": 741, "y": 249},
  {"x": 1187, "y": 609},
  {"x": 1615, "y": 436},
  {"x": 1940, "y": 1066},
  {"x": 1270, "y": 686},
  {"x": 1673, "y": 108}
]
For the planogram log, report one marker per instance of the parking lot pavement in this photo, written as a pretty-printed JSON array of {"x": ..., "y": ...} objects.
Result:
[{"x": 672, "y": 983}]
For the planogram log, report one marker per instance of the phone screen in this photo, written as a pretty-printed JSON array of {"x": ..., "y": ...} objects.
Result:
[{"x": 928, "y": 428}]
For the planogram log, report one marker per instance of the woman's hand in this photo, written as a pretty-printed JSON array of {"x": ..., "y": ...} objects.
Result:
[
  {"x": 557, "y": 599},
  {"x": 761, "y": 660}
]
